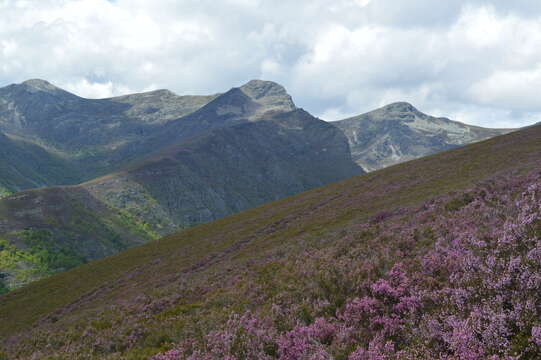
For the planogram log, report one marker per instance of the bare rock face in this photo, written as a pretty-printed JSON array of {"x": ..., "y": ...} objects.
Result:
[{"x": 399, "y": 132}]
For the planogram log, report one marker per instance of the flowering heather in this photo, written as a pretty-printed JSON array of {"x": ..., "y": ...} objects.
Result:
[{"x": 472, "y": 294}]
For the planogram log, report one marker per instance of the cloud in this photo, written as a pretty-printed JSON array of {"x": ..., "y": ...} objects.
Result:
[
  {"x": 475, "y": 60},
  {"x": 96, "y": 90},
  {"x": 510, "y": 89}
]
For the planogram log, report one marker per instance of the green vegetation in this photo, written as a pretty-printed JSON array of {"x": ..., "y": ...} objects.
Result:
[
  {"x": 136, "y": 225},
  {"x": 3, "y": 287},
  {"x": 4, "y": 192},
  {"x": 41, "y": 257},
  {"x": 50, "y": 255}
]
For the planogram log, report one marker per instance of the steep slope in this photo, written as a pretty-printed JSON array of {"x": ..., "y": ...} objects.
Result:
[
  {"x": 300, "y": 265},
  {"x": 222, "y": 172},
  {"x": 399, "y": 132},
  {"x": 229, "y": 170},
  {"x": 52, "y": 229},
  {"x": 24, "y": 165}
]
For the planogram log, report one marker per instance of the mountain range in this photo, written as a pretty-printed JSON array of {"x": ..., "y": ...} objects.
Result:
[{"x": 83, "y": 179}]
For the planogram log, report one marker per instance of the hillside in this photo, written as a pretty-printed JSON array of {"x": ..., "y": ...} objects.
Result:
[
  {"x": 399, "y": 132},
  {"x": 202, "y": 179},
  {"x": 397, "y": 263},
  {"x": 25, "y": 165}
]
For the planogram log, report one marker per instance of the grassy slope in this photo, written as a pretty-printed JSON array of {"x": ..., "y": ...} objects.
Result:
[{"x": 200, "y": 251}]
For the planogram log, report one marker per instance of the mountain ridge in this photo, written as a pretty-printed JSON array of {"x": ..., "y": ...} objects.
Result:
[{"x": 102, "y": 135}]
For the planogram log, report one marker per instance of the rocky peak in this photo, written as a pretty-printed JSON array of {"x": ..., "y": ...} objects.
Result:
[
  {"x": 397, "y": 111},
  {"x": 399, "y": 132},
  {"x": 271, "y": 95},
  {"x": 400, "y": 107},
  {"x": 39, "y": 85},
  {"x": 259, "y": 88}
]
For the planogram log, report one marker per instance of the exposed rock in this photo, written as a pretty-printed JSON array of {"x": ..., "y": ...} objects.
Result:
[{"x": 399, "y": 132}]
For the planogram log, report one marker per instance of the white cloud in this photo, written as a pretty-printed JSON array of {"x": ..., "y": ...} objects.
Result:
[
  {"x": 510, "y": 89},
  {"x": 478, "y": 60},
  {"x": 95, "y": 90}
]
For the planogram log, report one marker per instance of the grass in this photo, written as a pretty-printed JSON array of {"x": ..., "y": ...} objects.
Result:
[{"x": 286, "y": 227}]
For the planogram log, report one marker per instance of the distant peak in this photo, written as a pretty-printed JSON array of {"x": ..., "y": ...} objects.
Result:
[
  {"x": 39, "y": 84},
  {"x": 268, "y": 93},
  {"x": 400, "y": 106},
  {"x": 260, "y": 88},
  {"x": 159, "y": 92}
]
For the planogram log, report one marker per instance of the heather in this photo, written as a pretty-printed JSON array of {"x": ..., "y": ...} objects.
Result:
[{"x": 457, "y": 277}]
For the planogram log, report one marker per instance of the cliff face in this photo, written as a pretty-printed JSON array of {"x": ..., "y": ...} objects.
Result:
[{"x": 399, "y": 132}]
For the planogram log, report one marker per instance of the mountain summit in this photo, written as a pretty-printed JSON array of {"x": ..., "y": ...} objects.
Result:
[
  {"x": 399, "y": 132},
  {"x": 269, "y": 94},
  {"x": 97, "y": 136},
  {"x": 40, "y": 85}
]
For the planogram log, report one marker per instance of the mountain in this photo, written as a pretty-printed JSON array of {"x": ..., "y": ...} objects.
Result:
[
  {"x": 212, "y": 175},
  {"x": 92, "y": 137},
  {"x": 82, "y": 139},
  {"x": 433, "y": 258},
  {"x": 230, "y": 169},
  {"x": 95, "y": 137},
  {"x": 399, "y": 132}
]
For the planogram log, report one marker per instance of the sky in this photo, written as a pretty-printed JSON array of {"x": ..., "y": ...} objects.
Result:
[{"x": 474, "y": 61}]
